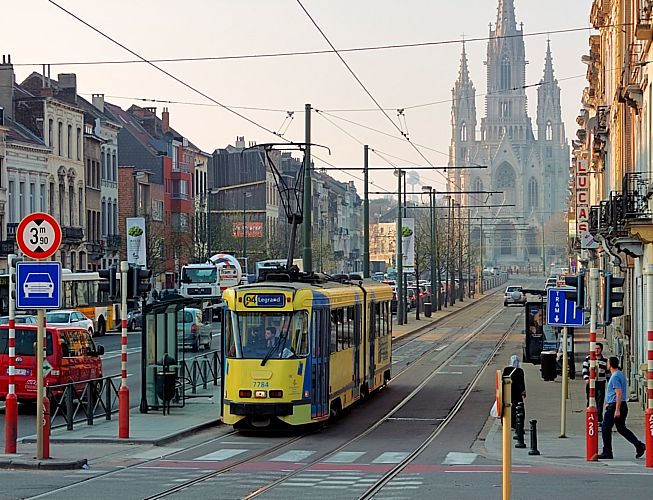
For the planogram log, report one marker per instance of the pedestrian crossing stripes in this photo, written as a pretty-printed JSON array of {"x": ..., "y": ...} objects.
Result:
[
  {"x": 223, "y": 454},
  {"x": 293, "y": 456},
  {"x": 458, "y": 458}
]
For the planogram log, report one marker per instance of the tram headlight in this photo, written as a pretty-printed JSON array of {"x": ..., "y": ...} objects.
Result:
[{"x": 260, "y": 394}]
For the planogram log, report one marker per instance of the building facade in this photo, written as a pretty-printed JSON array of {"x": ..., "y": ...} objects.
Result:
[{"x": 528, "y": 167}]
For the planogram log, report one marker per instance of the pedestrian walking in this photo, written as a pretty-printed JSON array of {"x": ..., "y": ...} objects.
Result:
[
  {"x": 518, "y": 385},
  {"x": 616, "y": 412},
  {"x": 601, "y": 371}
]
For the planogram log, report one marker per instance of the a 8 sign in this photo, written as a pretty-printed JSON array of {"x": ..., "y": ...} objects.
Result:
[{"x": 38, "y": 235}]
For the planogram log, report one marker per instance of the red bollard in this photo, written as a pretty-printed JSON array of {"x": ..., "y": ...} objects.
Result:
[
  {"x": 648, "y": 419},
  {"x": 123, "y": 412},
  {"x": 592, "y": 434},
  {"x": 46, "y": 427},
  {"x": 11, "y": 423}
]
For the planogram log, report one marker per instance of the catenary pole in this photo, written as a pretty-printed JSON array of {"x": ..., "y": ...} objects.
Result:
[
  {"x": 308, "y": 194},
  {"x": 400, "y": 256},
  {"x": 366, "y": 213}
]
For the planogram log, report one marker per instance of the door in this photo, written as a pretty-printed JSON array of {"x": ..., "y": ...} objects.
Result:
[
  {"x": 374, "y": 318},
  {"x": 356, "y": 310},
  {"x": 320, "y": 355}
]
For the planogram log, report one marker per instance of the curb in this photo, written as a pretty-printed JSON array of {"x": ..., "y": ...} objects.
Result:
[
  {"x": 50, "y": 464},
  {"x": 161, "y": 441}
]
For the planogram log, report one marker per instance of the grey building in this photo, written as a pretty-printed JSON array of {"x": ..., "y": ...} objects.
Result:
[{"x": 530, "y": 167}]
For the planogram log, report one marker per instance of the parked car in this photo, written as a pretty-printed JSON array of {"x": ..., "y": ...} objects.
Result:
[
  {"x": 551, "y": 282},
  {"x": 193, "y": 332},
  {"x": 411, "y": 297},
  {"x": 70, "y": 353},
  {"x": 508, "y": 297},
  {"x": 21, "y": 319},
  {"x": 69, "y": 318},
  {"x": 134, "y": 319}
]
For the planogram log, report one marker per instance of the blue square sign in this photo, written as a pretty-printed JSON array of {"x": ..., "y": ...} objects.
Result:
[
  {"x": 560, "y": 311},
  {"x": 38, "y": 285}
]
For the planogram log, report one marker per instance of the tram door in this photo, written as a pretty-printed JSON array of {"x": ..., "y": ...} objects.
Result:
[
  {"x": 320, "y": 354},
  {"x": 373, "y": 316},
  {"x": 357, "y": 350}
]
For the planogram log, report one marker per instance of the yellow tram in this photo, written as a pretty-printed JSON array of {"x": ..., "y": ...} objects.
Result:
[{"x": 298, "y": 352}]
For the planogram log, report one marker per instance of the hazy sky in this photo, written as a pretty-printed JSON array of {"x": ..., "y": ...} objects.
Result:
[{"x": 35, "y": 31}]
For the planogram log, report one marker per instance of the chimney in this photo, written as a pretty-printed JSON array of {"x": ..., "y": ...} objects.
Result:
[
  {"x": 148, "y": 121},
  {"x": 240, "y": 141},
  {"x": 98, "y": 101},
  {"x": 67, "y": 87},
  {"x": 7, "y": 79},
  {"x": 165, "y": 120}
]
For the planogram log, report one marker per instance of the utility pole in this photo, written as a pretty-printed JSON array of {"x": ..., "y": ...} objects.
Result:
[
  {"x": 438, "y": 264},
  {"x": 469, "y": 255},
  {"x": 461, "y": 294},
  {"x": 308, "y": 194},
  {"x": 543, "y": 251},
  {"x": 366, "y": 213},
  {"x": 480, "y": 289},
  {"x": 400, "y": 255}
]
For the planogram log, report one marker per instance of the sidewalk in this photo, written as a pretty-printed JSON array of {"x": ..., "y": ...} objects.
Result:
[
  {"x": 74, "y": 449},
  {"x": 543, "y": 403}
]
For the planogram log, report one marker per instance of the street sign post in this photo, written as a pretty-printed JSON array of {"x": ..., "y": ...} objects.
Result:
[
  {"x": 38, "y": 285},
  {"x": 38, "y": 235},
  {"x": 560, "y": 311}
]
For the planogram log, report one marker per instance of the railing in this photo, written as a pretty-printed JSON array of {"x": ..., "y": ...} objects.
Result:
[
  {"x": 643, "y": 27},
  {"x": 181, "y": 166},
  {"x": 595, "y": 214},
  {"x": 200, "y": 370},
  {"x": 636, "y": 190},
  {"x": 179, "y": 196},
  {"x": 83, "y": 401}
]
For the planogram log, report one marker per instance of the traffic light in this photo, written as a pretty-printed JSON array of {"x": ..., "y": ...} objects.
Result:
[
  {"x": 109, "y": 286},
  {"x": 138, "y": 282},
  {"x": 577, "y": 295},
  {"x": 613, "y": 299}
]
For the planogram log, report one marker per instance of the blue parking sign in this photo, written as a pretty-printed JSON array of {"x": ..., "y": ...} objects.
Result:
[{"x": 38, "y": 285}]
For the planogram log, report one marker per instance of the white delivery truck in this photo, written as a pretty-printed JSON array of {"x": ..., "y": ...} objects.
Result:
[{"x": 209, "y": 280}]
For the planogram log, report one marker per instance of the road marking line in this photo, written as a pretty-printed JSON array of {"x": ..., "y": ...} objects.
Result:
[
  {"x": 458, "y": 458},
  {"x": 344, "y": 457},
  {"x": 293, "y": 456},
  {"x": 221, "y": 454},
  {"x": 390, "y": 457}
]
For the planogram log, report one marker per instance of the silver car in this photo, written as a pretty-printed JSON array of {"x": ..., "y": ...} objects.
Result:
[{"x": 192, "y": 331}]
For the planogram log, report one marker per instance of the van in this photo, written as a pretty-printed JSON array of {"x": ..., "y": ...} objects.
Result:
[{"x": 71, "y": 356}]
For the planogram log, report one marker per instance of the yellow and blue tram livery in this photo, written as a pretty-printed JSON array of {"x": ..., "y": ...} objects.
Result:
[{"x": 298, "y": 352}]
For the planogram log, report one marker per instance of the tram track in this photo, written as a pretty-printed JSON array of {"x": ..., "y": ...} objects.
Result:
[
  {"x": 447, "y": 354},
  {"x": 436, "y": 348}
]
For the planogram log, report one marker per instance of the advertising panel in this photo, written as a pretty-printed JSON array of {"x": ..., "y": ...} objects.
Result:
[
  {"x": 408, "y": 243},
  {"x": 253, "y": 229},
  {"x": 136, "y": 245}
]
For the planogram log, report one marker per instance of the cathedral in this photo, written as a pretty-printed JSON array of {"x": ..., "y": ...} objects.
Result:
[{"x": 523, "y": 225}]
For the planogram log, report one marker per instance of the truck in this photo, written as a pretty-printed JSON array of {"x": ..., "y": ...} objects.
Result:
[{"x": 208, "y": 280}]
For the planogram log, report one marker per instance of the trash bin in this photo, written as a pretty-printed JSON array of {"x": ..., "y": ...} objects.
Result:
[
  {"x": 427, "y": 309},
  {"x": 548, "y": 366},
  {"x": 166, "y": 381}
]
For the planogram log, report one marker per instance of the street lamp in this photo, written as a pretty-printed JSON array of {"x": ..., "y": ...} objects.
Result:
[
  {"x": 246, "y": 194},
  {"x": 209, "y": 227}
]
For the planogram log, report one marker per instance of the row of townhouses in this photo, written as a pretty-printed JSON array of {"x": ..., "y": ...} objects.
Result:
[
  {"x": 613, "y": 168},
  {"x": 92, "y": 164}
]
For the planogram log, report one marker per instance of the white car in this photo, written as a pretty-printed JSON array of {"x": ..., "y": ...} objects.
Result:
[
  {"x": 514, "y": 295},
  {"x": 38, "y": 283},
  {"x": 69, "y": 318}
]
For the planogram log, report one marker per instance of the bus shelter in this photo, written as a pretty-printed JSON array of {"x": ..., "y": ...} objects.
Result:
[{"x": 162, "y": 353}]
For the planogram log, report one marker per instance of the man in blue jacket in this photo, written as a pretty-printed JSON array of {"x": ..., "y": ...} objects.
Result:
[{"x": 616, "y": 411}]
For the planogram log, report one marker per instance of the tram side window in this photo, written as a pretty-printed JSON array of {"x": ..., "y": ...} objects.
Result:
[
  {"x": 387, "y": 318},
  {"x": 382, "y": 319},
  {"x": 342, "y": 328}
]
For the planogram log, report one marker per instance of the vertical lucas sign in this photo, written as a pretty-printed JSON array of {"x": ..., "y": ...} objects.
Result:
[{"x": 582, "y": 204}]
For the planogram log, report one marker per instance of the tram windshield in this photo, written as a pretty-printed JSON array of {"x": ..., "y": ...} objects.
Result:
[{"x": 267, "y": 335}]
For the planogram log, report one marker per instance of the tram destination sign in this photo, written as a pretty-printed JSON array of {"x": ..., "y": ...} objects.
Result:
[{"x": 265, "y": 300}]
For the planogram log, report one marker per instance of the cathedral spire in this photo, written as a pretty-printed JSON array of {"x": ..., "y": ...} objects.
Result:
[
  {"x": 463, "y": 72},
  {"x": 506, "y": 23},
  {"x": 548, "y": 65}
]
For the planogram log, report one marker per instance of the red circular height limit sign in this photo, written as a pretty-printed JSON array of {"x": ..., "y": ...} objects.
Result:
[{"x": 38, "y": 235}]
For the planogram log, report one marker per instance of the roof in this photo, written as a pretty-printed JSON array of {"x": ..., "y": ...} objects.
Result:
[
  {"x": 131, "y": 124},
  {"x": 20, "y": 133}
]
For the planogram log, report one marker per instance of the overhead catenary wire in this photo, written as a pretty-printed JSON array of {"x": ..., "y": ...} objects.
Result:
[
  {"x": 184, "y": 83},
  {"x": 369, "y": 48}
]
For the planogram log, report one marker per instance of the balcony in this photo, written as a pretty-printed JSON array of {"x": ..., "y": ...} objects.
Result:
[
  {"x": 637, "y": 190},
  {"x": 602, "y": 120},
  {"x": 72, "y": 235},
  {"x": 179, "y": 196},
  {"x": 95, "y": 250},
  {"x": 112, "y": 242},
  {"x": 644, "y": 27},
  {"x": 611, "y": 216},
  {"x": 181, "y": 166}
]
